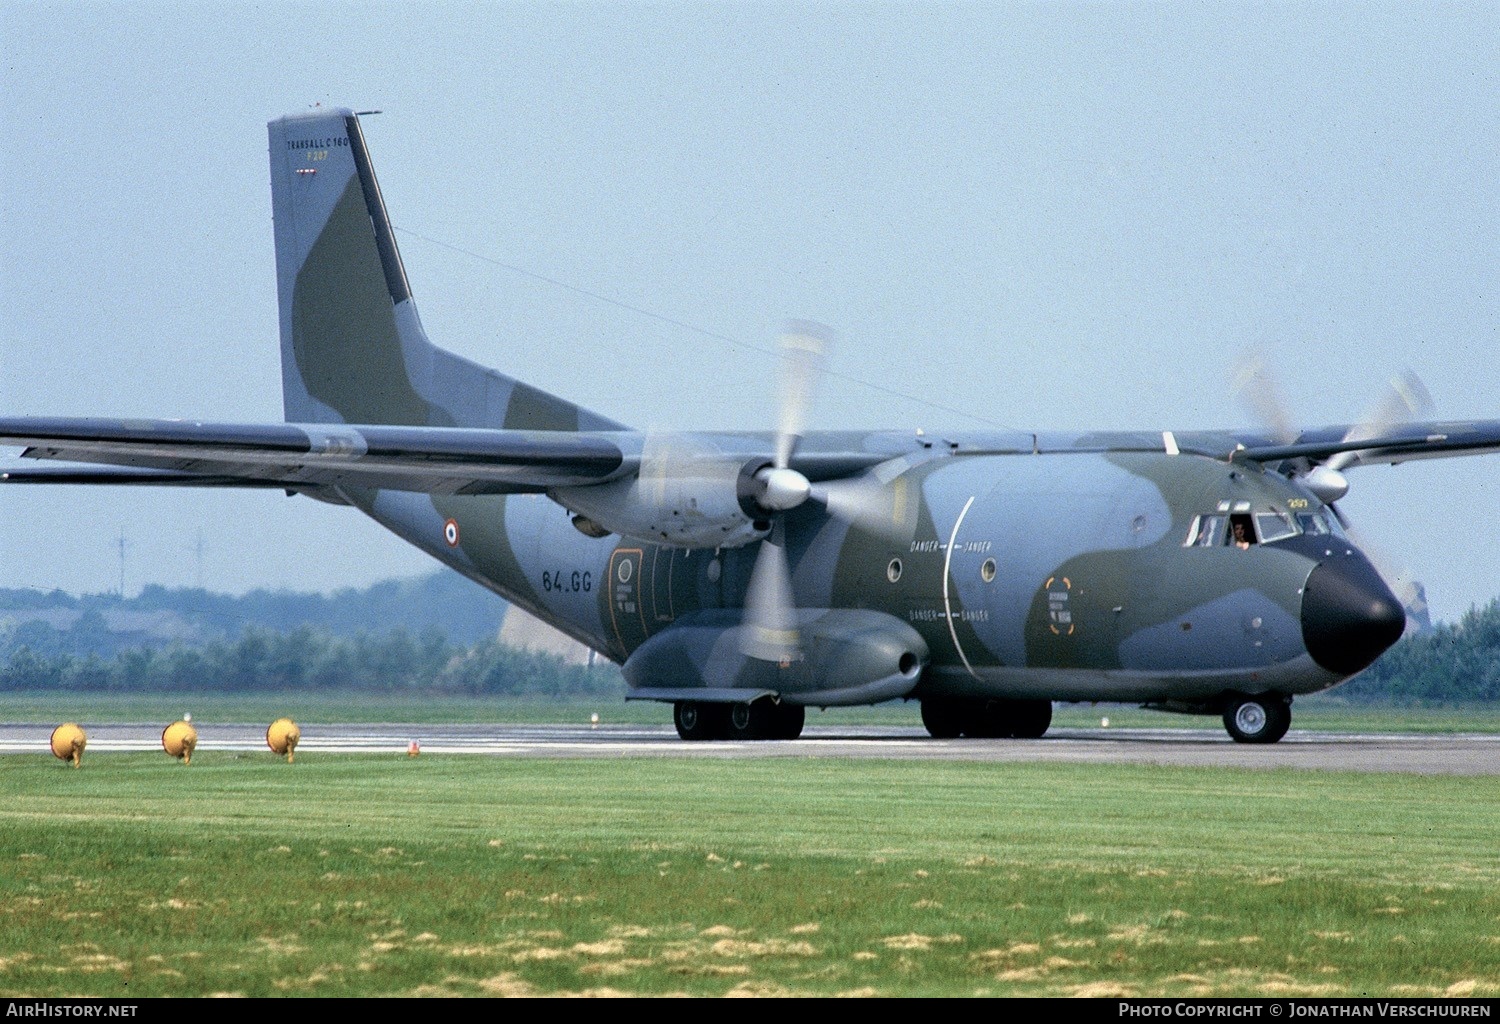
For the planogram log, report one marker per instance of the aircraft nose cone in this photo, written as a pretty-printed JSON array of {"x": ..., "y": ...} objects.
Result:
[{"x": 1349, "y": 615}]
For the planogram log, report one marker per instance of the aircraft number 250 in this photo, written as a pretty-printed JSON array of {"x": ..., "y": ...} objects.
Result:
[{"x": 569, "y": 583}]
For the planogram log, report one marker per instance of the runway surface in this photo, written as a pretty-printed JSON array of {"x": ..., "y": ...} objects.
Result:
[{"x": 1465, "y": 754}]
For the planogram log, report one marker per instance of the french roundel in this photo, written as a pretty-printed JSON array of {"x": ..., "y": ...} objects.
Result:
[{"x": 450, "y": 532}]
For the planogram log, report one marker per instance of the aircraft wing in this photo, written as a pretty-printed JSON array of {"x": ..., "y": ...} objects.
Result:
[
  {"x": 1401, "y": 443},
  {"x": 310, "y": 457}
]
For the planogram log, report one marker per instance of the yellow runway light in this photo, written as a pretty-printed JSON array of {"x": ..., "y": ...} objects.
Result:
[
  {"x": 68, "y": 741},
  {"x": 179, "y": 739},
  {"x": 283, "y": 736}
]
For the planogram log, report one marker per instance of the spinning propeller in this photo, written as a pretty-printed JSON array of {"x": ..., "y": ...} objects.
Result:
[
  {"x": 1405, "y": 399},
  {"x": 770, "y": 632},
  {"x": 692, "y": 492}
]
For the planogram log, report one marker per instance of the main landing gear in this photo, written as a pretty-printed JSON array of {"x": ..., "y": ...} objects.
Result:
[
  {"x": 949, "y": 718},
  {"x": 759, "y": 720}
]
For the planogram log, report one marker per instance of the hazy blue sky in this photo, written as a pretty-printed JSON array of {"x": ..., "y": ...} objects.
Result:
[{"x": 1060, "y": 215}]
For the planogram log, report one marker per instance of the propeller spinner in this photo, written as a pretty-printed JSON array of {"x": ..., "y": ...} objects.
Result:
[
  {"x": 691, "y": 491},
  {"x": 1405, "y": 399},
  {"x": 771, "y": 632}
]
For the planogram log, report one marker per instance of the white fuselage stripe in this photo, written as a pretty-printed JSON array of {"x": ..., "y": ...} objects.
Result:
[{"x": 947, "y": 605}]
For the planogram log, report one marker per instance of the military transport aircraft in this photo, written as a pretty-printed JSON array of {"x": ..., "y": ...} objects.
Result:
[{"x": 745, "y": 577}]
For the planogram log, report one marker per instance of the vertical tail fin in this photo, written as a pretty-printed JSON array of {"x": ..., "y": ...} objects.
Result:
[{"x": 352, "y": 345}]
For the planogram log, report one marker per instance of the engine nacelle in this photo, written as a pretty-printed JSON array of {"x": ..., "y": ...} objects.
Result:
[
  {"x": 695, "y": 502},
  {"x": 848, "y": 656}
]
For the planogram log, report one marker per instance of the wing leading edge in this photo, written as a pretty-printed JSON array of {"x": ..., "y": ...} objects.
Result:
[
  {"x": 309, "y": 457},
  {"x": 1432, "y": 439},
  {"x": 1403, "y": 443},
  {"x": 458, "y": 460}
]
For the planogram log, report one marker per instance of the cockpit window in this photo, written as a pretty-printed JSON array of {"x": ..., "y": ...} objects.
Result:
[
  {"x": 1244, "y": 528},
  {"x": 1319, "y": 524},
  {"x": 1274, "y": 526},
  {"x": 1220, "y": 530},
  {"x": 1205, "y": 532}
]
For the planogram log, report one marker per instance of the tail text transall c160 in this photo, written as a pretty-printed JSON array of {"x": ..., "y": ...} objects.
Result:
[{"x": 745, "y": 577}]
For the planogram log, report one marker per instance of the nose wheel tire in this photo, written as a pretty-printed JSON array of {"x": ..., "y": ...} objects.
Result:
[{"x": 1264, "y": 718}]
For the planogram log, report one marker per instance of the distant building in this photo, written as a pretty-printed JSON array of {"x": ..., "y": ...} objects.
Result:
[
  {"x": 1418, "y": 618},
  {"x": 520, "y": 629}
]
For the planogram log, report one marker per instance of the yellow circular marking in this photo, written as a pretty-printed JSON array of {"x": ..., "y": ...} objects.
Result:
[{"x": 1060, "y": 615}]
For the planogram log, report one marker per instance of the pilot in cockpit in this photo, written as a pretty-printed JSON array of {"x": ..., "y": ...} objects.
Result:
[{"x": 1240, "y": 533}]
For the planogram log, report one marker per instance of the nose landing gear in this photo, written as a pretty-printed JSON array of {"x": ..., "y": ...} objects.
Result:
[{"x": 1263, "y": 718}]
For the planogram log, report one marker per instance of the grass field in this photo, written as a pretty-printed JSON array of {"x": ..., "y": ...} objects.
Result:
[
  {"x": 1318, "y": 712},
  {"x": 367, "y": 876}
]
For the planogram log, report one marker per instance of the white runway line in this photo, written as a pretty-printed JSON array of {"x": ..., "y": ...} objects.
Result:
[{"x": 1469, "y": 754}]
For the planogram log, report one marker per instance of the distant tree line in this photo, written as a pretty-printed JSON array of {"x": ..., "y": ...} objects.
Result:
[
  {"x": 1452, "y": 662},
  {"x": 106, "y": 624},
  {"x": 304, "y": 658}
]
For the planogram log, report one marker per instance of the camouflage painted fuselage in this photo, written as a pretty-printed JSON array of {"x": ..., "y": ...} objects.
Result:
[{"x": 1060, "y": 575}]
